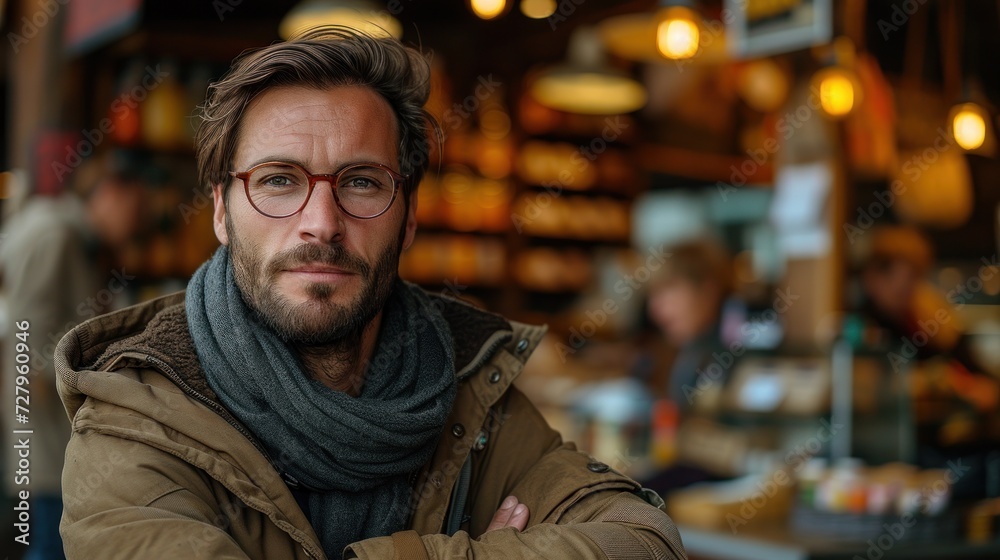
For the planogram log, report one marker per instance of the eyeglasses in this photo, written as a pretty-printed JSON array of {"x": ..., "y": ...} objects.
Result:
[{"x": 279, "y": 189}]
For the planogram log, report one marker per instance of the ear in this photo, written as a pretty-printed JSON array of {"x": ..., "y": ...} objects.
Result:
[
  {"x": 411, "y": 221},
  {"x": 219, "y": 216}
]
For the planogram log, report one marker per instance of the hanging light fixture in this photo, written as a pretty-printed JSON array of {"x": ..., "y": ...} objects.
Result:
[
  {"x": 633, "y": 37},
  {"x": 678, "y": 32},
  {"x": 488, "y": 9},
  {"x": 969, "y": 120},
  {"x": 586, "y": 84},
  {"x": 538, "y": 9},
  {"x": 363, "y": 15}
]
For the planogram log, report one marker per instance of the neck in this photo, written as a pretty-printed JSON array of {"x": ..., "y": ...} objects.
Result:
[{"x": 341, "y": 365}]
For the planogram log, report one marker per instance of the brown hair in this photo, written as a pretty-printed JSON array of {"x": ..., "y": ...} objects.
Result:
[
  {"x": 321, "y": 57},
  {"x": 699, "y": 262}
]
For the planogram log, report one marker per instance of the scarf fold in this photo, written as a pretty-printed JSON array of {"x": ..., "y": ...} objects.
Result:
[{"x": 353, "y": 454}]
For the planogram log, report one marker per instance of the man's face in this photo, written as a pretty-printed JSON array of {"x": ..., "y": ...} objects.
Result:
[
  {"x": 319, "y": 275},
  {"x": 684, "y": 310},
  {"x": 120, "y": 206},
  {"x": 890, "y": 284}
]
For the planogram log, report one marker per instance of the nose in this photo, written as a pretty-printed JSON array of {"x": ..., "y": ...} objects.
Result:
[{"x": 321, "y": 221}]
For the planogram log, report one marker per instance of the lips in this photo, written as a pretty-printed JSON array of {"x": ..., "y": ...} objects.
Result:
[
  {"x": 318, "y": 263},
  {"x": 318, "y": 269}
]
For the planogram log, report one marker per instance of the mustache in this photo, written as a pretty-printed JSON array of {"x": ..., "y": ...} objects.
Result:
[{"x": 330, "y": 255}]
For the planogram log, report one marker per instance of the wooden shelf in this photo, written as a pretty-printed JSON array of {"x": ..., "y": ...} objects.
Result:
[{"x": 703, "y": 166}]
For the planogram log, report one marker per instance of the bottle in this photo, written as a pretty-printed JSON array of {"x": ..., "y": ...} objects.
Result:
[{"x": 664, "y": 440}]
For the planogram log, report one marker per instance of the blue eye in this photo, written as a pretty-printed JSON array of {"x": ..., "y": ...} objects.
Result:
[
  {"x": 362, "y": 183},
  {"x": 277, "y": 181},
  {"x": 275, "y": 177}
]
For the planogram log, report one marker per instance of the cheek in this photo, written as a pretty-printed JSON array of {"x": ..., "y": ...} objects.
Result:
[
  {"x": 661, "y": 308},
  {"x": 380, "y": 234}
]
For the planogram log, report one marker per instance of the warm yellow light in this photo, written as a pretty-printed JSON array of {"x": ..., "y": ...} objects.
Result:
[
  {"x": 678, "y": 34},
  {"x": 312, "y": 14},
  {"x": 589, "y": 93},
  {"x": 969, "y": 127},
  {"x": 488, "y": 9},
  {"x": 763, "y": 85},
  {"x": 836, "y": 93},
  {"x": 538, "y": 9}
]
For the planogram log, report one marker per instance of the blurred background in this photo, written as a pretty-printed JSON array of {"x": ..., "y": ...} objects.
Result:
[{"x": 763, "y": 233}]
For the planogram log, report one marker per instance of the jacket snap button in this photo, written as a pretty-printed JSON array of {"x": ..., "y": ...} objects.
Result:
[
  {"x": 598, "y": 467},
  {"x": 495, "y": 376},
  {"x": 458, "y": 430},
  {"x": 480, "y": 441},
  {"x": 522, "y": 345}
]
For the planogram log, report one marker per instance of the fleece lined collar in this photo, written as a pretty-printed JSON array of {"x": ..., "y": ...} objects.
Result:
[{"x": 158, "y": 329}]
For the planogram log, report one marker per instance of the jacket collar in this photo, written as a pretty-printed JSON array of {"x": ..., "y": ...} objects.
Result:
[{"x": 158, "y": 329}]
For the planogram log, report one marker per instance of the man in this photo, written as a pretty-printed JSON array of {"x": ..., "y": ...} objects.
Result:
[
  {"x": 685, "y": 302},
  {"x": 51, "y": 282},
  {"x": 299, "y": 400}
]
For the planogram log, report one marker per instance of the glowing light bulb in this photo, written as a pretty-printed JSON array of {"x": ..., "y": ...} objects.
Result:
[
  {"x": 488, "y": 9},
  {"x": 836, "y": 92},
  {"x": 678, "y": 34},
  {"x": 969, "y": 127}
]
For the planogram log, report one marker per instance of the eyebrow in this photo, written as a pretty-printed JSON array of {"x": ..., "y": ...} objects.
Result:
[{"x": 302, "y": 164}]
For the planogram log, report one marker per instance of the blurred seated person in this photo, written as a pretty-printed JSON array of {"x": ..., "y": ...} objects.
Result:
[
  {"x": 897, "y": 260},
  {"x": 921, "y": 327},
  {"x": 685, "y": 302}
]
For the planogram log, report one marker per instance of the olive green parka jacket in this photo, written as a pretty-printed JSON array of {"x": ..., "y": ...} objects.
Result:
[{"x": 157, "y": 468}]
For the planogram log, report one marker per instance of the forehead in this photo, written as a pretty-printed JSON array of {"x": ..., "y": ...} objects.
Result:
[{"x": 333, "y": 123}]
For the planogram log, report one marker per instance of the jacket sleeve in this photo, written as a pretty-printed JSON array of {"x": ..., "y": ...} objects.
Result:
[
  {"x": 579, "y": 508},
  {"x": 124, "y": 499}
]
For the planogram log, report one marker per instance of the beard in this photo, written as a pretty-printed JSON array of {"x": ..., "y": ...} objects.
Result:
[{"x": 319, "y": 321}]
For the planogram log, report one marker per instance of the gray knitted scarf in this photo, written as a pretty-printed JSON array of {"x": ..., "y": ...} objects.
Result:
[{"x": 354, "y": 454}]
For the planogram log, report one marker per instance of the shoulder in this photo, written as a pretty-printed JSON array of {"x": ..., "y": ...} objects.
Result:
[{"x": 479, "y": 335}]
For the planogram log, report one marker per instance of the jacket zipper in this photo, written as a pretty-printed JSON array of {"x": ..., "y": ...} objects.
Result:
[
  {"x": 216, "y": 407},
  {"x": 167, "y": 370}
]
